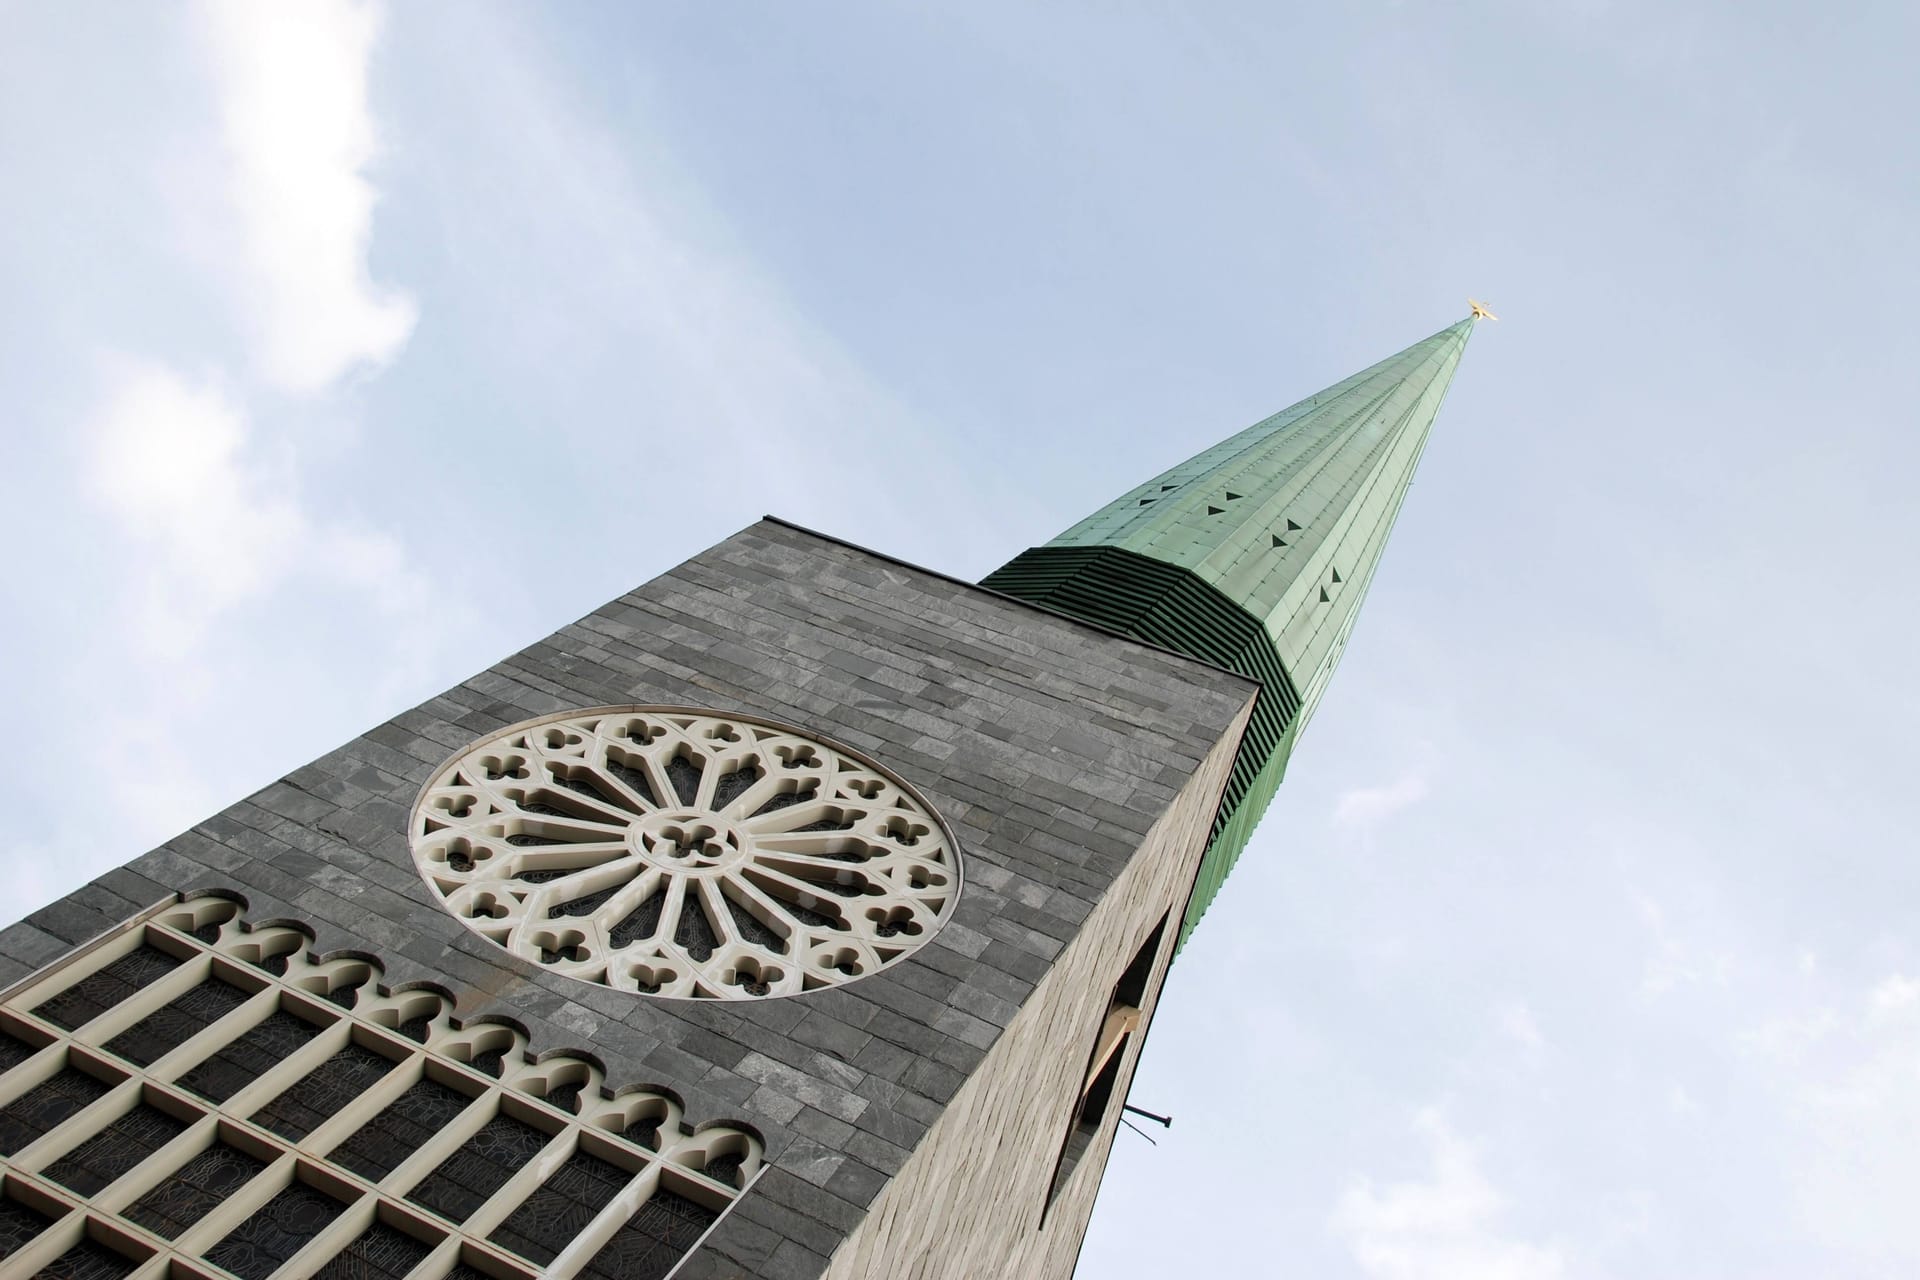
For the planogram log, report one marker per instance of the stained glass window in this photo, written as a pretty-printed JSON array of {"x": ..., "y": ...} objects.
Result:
[
  {"x": 274, "y": 1232},
  {"x": 149, "y": 1039},
  {"x": 106, "y": 987},
  {"x": 652, "y": 1241},
  {"x": 548, "y": 1220},
  {"x": 93, "y": 1166},
  {"x": 258, "y": 1050},
  {"x": 378, "y": 1253},
  {"x": 324, "y": 1092},
  {"x": 87, "y": 1261},
  {"x": 404, "y": 1127},
  {"x": 19, "y": 1224},
  {"x": 303, "y": 1106},
  {"x": 194, "y": 1190},
  {"x": 40, "y": 1109},
  {"x": 469, "y": 1177}
]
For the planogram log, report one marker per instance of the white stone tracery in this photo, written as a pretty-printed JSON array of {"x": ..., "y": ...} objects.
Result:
[
  {"x": 640, "y": 1131},
  {"x": 684, "y": 853}
]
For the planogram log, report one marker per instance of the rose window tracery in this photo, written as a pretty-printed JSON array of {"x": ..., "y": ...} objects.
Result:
[{"x": 683, "y": 853}]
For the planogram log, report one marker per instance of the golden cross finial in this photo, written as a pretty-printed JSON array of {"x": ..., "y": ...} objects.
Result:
[{"x": 1480, "y": 311}]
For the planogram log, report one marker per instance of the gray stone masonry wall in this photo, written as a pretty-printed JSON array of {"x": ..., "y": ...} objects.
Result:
[
  {"x": 1051, "y": 749},
  {"x": 969, "y": 1202}
]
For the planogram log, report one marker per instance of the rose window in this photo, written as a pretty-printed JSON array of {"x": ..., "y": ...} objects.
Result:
[{"x": 684, "y": 853}]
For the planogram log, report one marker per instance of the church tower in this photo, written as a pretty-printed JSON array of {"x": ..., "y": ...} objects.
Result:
[{"x": 798, "y": 914}]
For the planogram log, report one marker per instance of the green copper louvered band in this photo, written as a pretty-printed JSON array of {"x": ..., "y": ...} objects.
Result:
[{"x": 1173, "y": 608}]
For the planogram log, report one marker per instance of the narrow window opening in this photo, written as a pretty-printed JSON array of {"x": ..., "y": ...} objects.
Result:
[
  {"x": 1279, "y": 541},
  {"x": 1291, "y": 526},
  {"x": 1102, "y": 1082},
  {"x": 1213, "y": 510},
  {"x": 1232, "y": 496},
  {"x": 1336, "y": 575},
  {"x": 1324, "y": 597}
]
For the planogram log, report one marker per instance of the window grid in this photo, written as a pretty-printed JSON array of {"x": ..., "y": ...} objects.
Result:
[{"x": 180, "y": 1151}]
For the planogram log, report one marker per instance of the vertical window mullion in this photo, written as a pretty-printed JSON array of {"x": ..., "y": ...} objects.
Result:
[
  {"x": 356, "y": 1215},
  {"x": 134, "y": 1184},
  {"x": 73, "y": 1132},
  {"x": 639, "y": 1189},
  {"x": 217, "y": 1224},
  {"x": 449, "y": 1138},
  {"x": 215, "y": 1036},
  {"x": 32, "y": 1258},
  {"x": 71, "y": 970},
  {"x": 289, "y": 1071},
  {"x": 509, "y": 1195},
  {"x": 84, "y": 1120},
  {"x": 140, "y": 1004},
  {"x": 357, "y": 1114}
]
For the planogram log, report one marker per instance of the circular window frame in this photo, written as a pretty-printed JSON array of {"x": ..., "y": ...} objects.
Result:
[{"x": 710, "y": 849}]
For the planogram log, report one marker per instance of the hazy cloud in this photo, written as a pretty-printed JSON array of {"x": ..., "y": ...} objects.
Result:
[
  {"x": 1362, "y": 809},
  {"x": 1895, "y": 993},
  {"x": 1445, "y": 1226},
  {"x": 214, "y": 515},
  {"x": 1674, "y": 959},
  {"x": 214, "y": 522},
  {"x": 1516, "y": 1022},
  {"x": 1847, "y": 1078},
  {"x": 299, "y": 130}
]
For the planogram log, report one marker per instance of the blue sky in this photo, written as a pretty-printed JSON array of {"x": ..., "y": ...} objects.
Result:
[{"x": 345, "y": 349}]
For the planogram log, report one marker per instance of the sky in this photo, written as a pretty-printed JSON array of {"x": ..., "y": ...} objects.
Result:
[{"x": 345, "y": 348}]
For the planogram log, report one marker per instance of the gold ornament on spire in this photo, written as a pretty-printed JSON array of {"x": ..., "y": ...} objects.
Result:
[{"x": 1480, "y": 311}]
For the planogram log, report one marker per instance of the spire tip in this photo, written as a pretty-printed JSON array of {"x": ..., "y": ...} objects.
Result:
[{"x": 1480, "y": 310}]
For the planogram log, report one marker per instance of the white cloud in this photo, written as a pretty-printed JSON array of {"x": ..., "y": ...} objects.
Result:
[
  {"x": 214, "y": 518},
  {"x": 292, "y": 84},
  {"x": 1674, "y": 959},
  {"x": 1362, "y": 809},
  {"x": 213, "y": 509},
  {"x": 213, "y": 525},
  {"x": 222, "y": 575},
  {"x": 1516, "y": 1022},
  {"x": 1847, "y": 1078},
  {"x": 1895, "y": 992},
  {"x": 1446, "y": 1226}
]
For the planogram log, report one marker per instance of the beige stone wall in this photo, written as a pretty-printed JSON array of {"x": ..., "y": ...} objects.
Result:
[{"x": 968, "y": 1203}]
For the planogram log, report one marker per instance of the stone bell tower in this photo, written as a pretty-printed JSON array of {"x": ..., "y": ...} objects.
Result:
[{"x": 799, "y": 913}]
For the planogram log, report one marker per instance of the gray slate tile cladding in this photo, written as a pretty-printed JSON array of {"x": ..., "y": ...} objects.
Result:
[{"x": 1049, "y": 746}]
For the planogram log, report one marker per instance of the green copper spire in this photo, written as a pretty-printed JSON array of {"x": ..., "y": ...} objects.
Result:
[{"x": 1255, "y": 555}]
